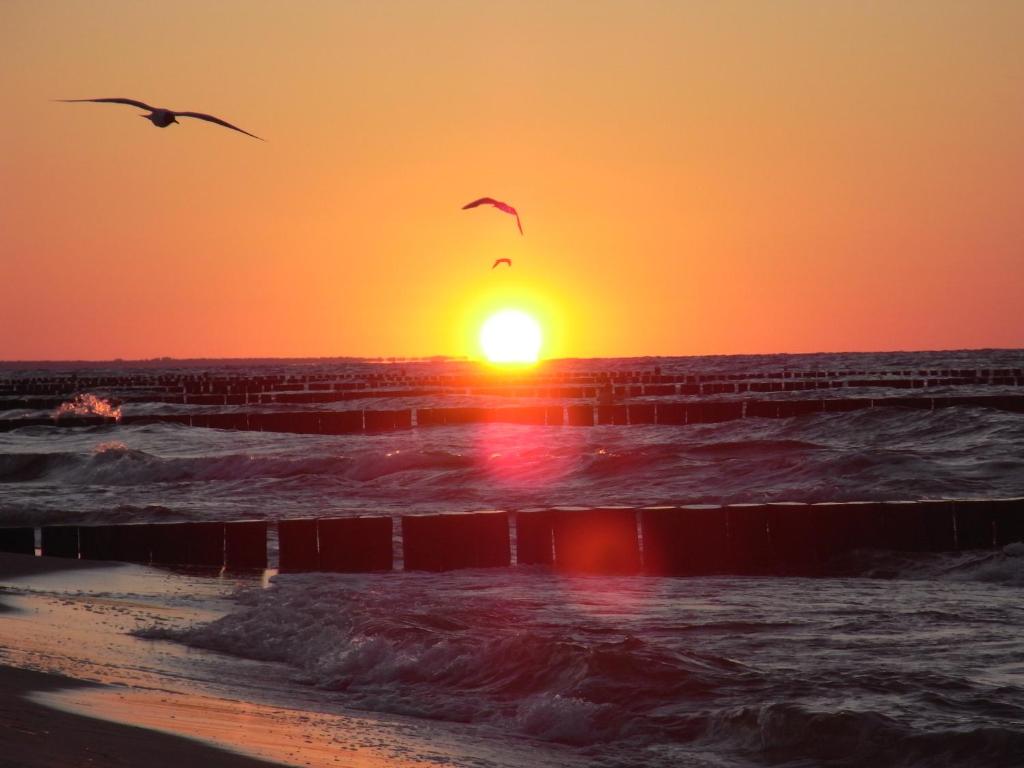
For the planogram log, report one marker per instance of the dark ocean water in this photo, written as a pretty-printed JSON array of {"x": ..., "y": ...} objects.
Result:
[
  {"x": 916, "y": 661},
  {"x": 922, "y": 668},
  {"x": 167, "y": 471}
]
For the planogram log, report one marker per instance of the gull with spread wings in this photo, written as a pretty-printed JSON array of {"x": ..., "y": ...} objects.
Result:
[
  {"x": 497, "y": 204},
  {"x": 501, "y": 261},
  {"x": 161, "y": 118}
]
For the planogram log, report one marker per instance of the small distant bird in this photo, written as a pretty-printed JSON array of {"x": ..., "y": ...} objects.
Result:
[
  {"x": 497, "y": 204},
  {"x": 161, "y": 118},
  {"x": 501, "y": 261}
]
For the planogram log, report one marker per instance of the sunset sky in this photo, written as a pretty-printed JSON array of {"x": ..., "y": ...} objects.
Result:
[{"x": 693, "y": 177}]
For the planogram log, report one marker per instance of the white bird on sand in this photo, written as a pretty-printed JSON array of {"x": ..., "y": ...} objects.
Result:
[{"x": 161, "y": 118}]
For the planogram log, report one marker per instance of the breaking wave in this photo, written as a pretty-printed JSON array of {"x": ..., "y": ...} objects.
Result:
[
  {"x": 648, "y": 671},
  {"x": 88, "y": 405}
]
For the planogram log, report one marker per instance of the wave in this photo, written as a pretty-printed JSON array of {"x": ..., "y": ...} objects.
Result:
[
  {"x": 659, "y": 671},
  {"x": 374, "y": 465},
  {"x": 754, "y": 447},
  {"x": 781, "y": 732},
  {"x": 87, "y": 404},
  {"x": 825, "y": 457},
  {"x": 1003, "y": 567},
  {"x": 475, "y": 661},
  {"x": 113, "y": 463}
]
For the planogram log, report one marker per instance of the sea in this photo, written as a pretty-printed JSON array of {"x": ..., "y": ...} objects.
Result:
[{"x": 904, "y": 660}]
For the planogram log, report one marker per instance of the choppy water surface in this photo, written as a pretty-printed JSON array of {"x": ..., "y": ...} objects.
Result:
[
  {"x": 920, "y": 670},
  {"x": 166, "y": 471},
  {"x": 916, "y": 662}
]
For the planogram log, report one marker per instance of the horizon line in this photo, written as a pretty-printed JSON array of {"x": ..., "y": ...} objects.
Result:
[{"x": 466, "y": 359}]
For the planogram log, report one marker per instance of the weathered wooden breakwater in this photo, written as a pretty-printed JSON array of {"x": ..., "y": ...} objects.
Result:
[
  {"x": 753, "y": 538},
  {"x": 575, "y": 414},
  {"x": 210, "y": 388},
  {"x": 689, "y": 540}
]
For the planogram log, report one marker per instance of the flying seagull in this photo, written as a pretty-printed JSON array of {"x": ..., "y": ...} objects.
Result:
[
  {"x": 161, "y": 118},
  {"x": 501, "y": 261},
  {"x": 497, "y": 204}
]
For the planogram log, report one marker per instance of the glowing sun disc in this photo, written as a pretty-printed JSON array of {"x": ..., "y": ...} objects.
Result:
[{"x": 510, "y": 336}]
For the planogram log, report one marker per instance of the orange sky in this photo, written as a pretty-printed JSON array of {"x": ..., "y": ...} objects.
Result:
[{"x": 693, "y": 177}]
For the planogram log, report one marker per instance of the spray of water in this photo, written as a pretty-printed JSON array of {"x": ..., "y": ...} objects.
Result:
[{"x": 88, "y": 405}]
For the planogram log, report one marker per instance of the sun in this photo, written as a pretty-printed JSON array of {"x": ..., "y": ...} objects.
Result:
[{"x": 510, "y": 336}]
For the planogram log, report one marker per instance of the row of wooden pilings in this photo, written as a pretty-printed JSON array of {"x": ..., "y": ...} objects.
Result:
[
  {"x": 220, "y": 383},
  {"x": 579, "y": 415},
  {"x": 700, "y": 539},
  {"x": 573, "y": 392}
]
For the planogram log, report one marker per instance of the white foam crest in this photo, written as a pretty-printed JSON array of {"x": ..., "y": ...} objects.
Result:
[
  {"x": 87, "y": 404},
  {"x": 111, "y": 446}
]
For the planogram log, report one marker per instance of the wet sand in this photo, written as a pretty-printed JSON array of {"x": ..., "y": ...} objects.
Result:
[
  {"x": 32, "y": 734},
  {"x": 106, "y": 698}
]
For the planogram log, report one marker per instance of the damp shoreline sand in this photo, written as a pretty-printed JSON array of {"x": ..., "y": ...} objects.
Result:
[
  {"x": 79, "y": 687},
  {"x": 32, "y": 734}
]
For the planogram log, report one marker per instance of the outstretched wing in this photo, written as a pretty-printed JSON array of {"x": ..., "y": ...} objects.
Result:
[
  {"x": 501, "y": 261},
  {"x": 499, "y": 205},
  {"x": 481, "y": 201},
  {"x": 217, "y": 120},
  {"x": 129, "y": 102}
]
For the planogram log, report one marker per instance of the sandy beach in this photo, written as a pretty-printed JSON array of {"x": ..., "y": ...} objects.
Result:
[
  {"x": 569, "y": 385},
  {"x": 79, "y": 688},
  {"x": 32, "y": 734}
]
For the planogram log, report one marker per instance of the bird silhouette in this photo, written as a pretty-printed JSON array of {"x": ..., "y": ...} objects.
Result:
[
  {"x": 501, "y": 261},
  {"x": 497, "y": 204},
  {"x": 162, "y": 118}
]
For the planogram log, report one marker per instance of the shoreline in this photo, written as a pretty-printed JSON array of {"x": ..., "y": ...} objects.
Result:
[
  {"x": 77, "y": 688},
  {"x": 33, "y": 735}
]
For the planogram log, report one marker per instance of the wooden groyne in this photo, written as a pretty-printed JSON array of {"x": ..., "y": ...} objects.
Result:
[
  {"x": 576, "y": 415},
  {"x": 689, "y": 540},
  {"x": 206, "y": 388}
]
